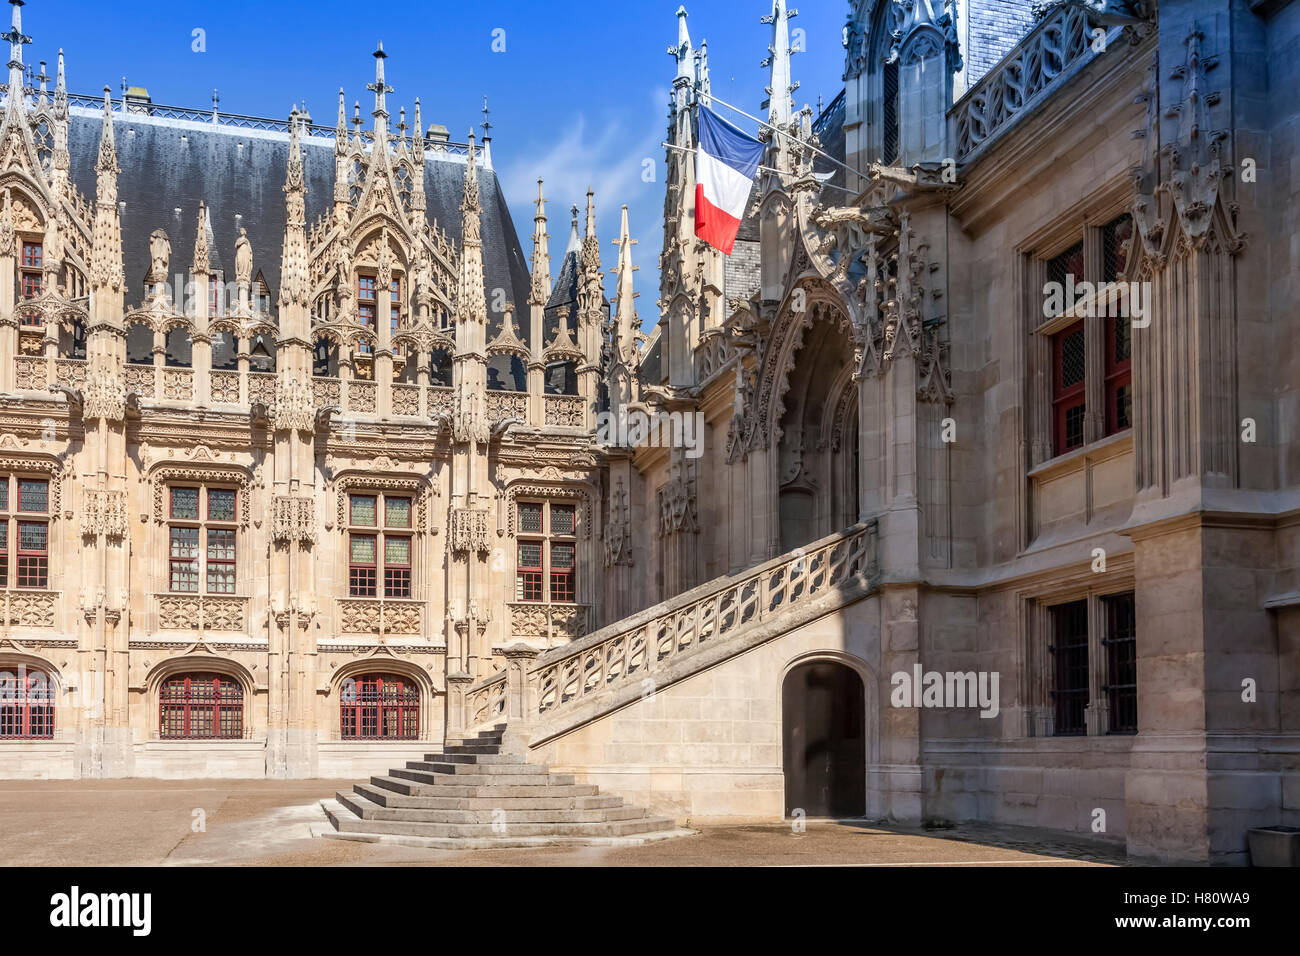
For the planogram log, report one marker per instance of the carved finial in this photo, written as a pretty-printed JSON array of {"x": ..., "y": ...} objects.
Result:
[
  {"x": 780, "y": 104},
  {"x": 201, "y": 263},
  {"x": 379, "y": 87}
]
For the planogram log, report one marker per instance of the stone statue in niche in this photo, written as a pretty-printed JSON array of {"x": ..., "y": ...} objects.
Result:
[
  {"x": 160, "y": 252},
  {"x": 243, "y": 258}
]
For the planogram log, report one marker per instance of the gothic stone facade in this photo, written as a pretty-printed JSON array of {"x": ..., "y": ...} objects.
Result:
[{"x": 351, "y": 499}]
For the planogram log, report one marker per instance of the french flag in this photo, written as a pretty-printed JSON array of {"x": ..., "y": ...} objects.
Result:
[{"x": 725, "y": 165}]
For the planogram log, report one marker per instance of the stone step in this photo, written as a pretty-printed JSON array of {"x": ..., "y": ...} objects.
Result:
[
  {"x": 452, "y": 787},
  {"x": 472, "y": 749},
  {"x": 479, "y": 759},
  {"x": 484, "y": 779},
  {"x": 514, "y": 767},
  {"x": 390, "y": 798},
  {"x": 346, "y": 821},
  {"x": 360, "y": 805}
]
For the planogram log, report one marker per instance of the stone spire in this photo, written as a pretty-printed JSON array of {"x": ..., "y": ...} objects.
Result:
[
  {"x": 541, "y": 286},
  {"x": 62, "y": 160},
  {"x": 341, "y": 128},
  {"x": 380, "y": 89},
  {"x": 682, "y": 51},
  {"x": 17, "y": 39},
  {"x": 417, "y": 140},
  {"x": 106, "y": 241},
  {"x": 470, "y": 302},
  {"x": 293, "y": 260},
  {"x": 780, "y": 103},
  {"x": 625, "y": 304},
  {"x": 575, "y": 239}
]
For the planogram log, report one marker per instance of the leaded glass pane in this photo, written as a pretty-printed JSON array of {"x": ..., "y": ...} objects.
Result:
[
  {"x": 221, "y": 504},
  {"x": 363, "y": 549},
  {"x": 397, "y": 512},
  {"x": 185, "y": 503},
  {"x": 363, "y": 510}
]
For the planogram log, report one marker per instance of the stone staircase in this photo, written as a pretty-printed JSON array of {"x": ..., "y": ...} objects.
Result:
[{"x": 473, "y": 796}]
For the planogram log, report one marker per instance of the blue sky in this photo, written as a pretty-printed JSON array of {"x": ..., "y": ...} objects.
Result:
[{"x": 579, "y": 96}]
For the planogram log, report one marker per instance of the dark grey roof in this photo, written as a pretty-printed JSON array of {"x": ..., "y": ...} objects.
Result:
[
  {"x": 829, "y": 127},
  {"x": 238, "y": 172},
  {"x": 563, "y": 300}
]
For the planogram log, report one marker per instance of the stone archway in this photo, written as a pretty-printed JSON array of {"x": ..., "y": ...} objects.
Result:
[
  {"x": 817, "y": 435},
  {"x": 824, "y": 740}
]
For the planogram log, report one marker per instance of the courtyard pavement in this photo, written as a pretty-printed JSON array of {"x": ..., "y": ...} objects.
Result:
[{"x": 267, "y": 822}]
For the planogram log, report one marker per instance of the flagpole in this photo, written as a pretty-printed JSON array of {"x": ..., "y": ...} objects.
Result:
[
  {"x": 768, "y": 169},
  {"x": 779, "y": 132}
]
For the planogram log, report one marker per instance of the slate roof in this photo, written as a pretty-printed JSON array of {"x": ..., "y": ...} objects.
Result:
[
  {"x": 169, "y": 164},
  {"x": 829, "y": 127}
]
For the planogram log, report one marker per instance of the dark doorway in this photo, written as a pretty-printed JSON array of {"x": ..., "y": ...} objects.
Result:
[{"x": 823, "y": 729}]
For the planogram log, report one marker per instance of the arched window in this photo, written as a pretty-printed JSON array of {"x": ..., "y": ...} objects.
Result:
[
  {"x": 379, "y": 707},
  {"x": 885, "y": 65},
  {"x": 201, "y": 706},
  {"x": 26, "y": 704},
  {"x": 440, "y": 372}
]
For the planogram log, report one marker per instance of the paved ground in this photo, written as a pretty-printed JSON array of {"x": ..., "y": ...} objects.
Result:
[{"x": 266, "y": 822}]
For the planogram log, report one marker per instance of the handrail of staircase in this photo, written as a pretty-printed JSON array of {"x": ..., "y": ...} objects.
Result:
[
  {"x": 712, "y": 586},
  {"x": 631, "y": 650}
]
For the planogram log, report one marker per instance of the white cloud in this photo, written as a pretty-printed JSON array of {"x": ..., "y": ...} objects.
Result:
[{"x": 609, "y": 156}]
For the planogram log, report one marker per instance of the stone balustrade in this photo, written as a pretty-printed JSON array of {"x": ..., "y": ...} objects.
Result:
[
  {"x": 1048, "y": 55},
  {"x": 646, "y": 645}
]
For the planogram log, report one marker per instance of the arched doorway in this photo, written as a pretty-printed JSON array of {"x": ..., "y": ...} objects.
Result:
[{"x": 824, "y": 738}]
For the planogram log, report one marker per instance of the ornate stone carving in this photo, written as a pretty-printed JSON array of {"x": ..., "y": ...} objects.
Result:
[
  {"x": 564, "y": 410},
  {"x": 103, "y": 512},
  {"x": 412, "y": 486},
  {"x": 376, "y": 616},
  {"x": 677, "y": 509},
  {"x": 104, "y": 397},
  {"x": 166, "y": 474},
  {"x": 293, "y": 518},
  {"x": 469, "y": 530},
  {"x": 295, "y": 408},
  {"x": 187, "y": 612},
  {"x": 31, "y": 608},
  {"x": 532, "y": 490},
  {"x": 618, "y": 531}
]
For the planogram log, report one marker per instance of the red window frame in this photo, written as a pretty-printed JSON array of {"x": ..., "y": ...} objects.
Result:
[
  {"x": 32, "y": 567},
  {"x": 31, "y": 285},
  {"x": 201, "y": 706},
  {"x": 214, "y": 542},
  {"x": 395, "y": 307},
  {"x": 528, "y": 576},
  {"x": 546, "y": 581},
  {"x": 27, "y": 703},
  {"x": 1119, "y": 376},
  {"x": 1066, "y": 399},
  {"x": 33, "y": 253},
  {"x": 363, "y": 575},
  {"x": 379, "y": 707},
  {"x": 381, "y": 577}
]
